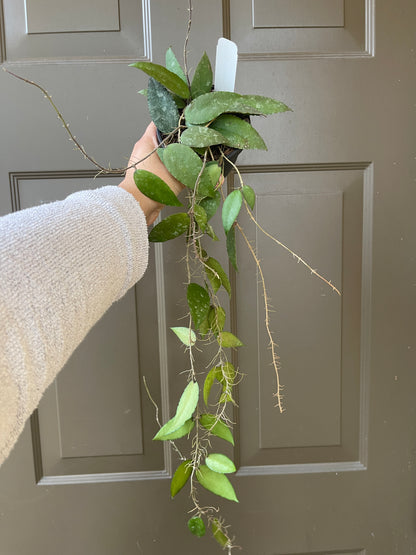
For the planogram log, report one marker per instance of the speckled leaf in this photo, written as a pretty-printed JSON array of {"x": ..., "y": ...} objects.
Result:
[
  {"x": 231, "y": 208},
  {"x": 173, "y": 65},
  {"x": 169, "y": 228},
  {"x": 184, "y": 411},
  {"x": 209, "y": 106},
  {"x": 202, "y": 79},
  {"x": 249, "y": 195},
  {"x": 220, "y": 463},
  {"x": 162, "y": 107},
  {"x": 199, "y": 137},
  {"x": 216, "y": 427},
  {"x": 210, "y": 205},
  {"x": 184, "y": 430},
  {"x": 183, "y": 163},
  {"x": 200, "y": 217},
  {"x": 238, "y": 133},
  {"x": 215, "y": 483},
  {"x": 231, "y": 248},
  {"x": 210, "y": 177},
  {"x": 199, "y": 303},
  {"x": 218, "y": 534},
  {"x": 227, "y": 339},
  {"x": 196, "y": 526},
  {"x": 186, "y": 335},
  {"x": 216, "y": 271},
  {"x": 181, "y": 476},
  {"x": 155, "y": 188},
  {"x": 165, "y": 77}
]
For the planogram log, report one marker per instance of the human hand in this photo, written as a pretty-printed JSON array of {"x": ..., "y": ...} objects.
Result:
[{"x": 142, "y": 158}]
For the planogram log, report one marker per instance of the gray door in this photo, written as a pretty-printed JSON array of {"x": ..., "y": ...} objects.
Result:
[{"x": 335, "y": 473}]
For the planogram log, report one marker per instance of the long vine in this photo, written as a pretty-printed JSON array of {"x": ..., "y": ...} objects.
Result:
[{"x": 201, "y": 133}]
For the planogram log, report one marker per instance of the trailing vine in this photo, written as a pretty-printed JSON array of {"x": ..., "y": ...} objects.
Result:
[{"x": 202, "y": 132}]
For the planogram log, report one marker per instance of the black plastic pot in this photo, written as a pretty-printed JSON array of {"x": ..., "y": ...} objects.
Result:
[{"x": 232, "y": 155}]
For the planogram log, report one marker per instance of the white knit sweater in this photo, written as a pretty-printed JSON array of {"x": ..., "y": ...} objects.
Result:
[{"x": 62, "y": 265}]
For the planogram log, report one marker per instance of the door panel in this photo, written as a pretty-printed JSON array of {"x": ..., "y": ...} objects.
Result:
[{"x": 332, "y": 475}]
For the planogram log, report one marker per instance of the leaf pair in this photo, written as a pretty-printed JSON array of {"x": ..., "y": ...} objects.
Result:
[
  {"x": 208, "y": 107},
  {"x": 184, "y": 411},
  {"x": 228, "y": 130},
  {"x": 202, "y": 79}
]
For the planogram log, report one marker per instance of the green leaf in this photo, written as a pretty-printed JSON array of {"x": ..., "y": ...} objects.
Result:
[
  {"x": 160, "y": 152},
  {"x": 162, "y": 107},
  {"x": 231, "y": 208},
  {"x": 143, "y": 92},
  {"x": 185, "y": 409},
  {"x": 220, "y": 463},
  {"x": 169, "y": 228},
  {"x": 199, "y": 137},
  {"x": 216, "y": 483},
  {"x": 155, "y": 188},
  {"x": 238, "y": 133},
  {"x": 200, "y": 217},
  {"x": 217, "y": 272},
  {"x": 211, "y": 233},
  {"x": 227, "y": 339},
  {"x": 204, "y": 327},
  {"x": 174, "y": 66},
  {"x": 187, "y": 402},
  {"x": 199, "y": 303},
  {"x": 213, "y": 374},
  {"x": 180, "y": 477},
  {"x": 167, "y": 78},
  {"x": 180, "y": 102},
  {"x": 186, "y": 335},
  {"x": 210, "y": 205},
  {"x": 209, "y": 106},
  {"x": 202, "y": 80},
  {"x": 196, "y": 526},
  {"x": 216, "y": 319},
  {"x": 218, "y": 534},
  {"x": 184, "y": 430},
  {"x": 231, "y": 248},
  {"x": 183, "y": 163},
  {"x": 213, "y": 278},
  {"x": 217, "y": 428},
  {"x": 225, "y": 375},
  {"x": 249, "y": 195},
  {"x": 210, "y": 177}
]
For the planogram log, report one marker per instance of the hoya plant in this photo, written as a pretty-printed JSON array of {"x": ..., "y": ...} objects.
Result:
[{"x": 201, "y": 131}]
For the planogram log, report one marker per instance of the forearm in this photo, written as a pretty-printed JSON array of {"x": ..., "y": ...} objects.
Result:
[{"x": 57, "y": 280}]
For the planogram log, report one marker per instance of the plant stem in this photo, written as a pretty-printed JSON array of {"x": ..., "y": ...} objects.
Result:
[
  {"x": 185, "y": 46},
  {"x": 115, "y": 171},
  {"x": 273, "y": 345},
  {"x": 296, "y": 256}
]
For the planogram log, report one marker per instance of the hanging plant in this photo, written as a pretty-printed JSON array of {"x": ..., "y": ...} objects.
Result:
[{"x": 202, "y": 131}]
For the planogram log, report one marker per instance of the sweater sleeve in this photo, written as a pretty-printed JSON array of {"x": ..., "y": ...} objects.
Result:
[{"x": 62, "y": 265}]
